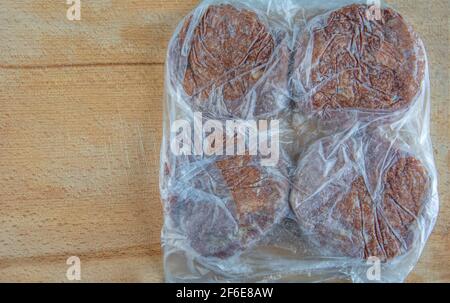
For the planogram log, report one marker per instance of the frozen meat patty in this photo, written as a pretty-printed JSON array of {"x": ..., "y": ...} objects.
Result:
[
  {"x": 225, "y": 204},
  {"x": 222, "y": 53},
  {"x": 360, "y": 197},
  {"x": 347, "y": 60}
]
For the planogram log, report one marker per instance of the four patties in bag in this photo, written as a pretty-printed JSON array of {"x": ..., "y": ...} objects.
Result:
[{"x": 355, "y": 194}]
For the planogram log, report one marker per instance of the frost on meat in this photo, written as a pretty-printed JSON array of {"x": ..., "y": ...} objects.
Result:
[
  {"x": 362, "y": 199},
  {"x": 347, "y": 61},
  {"x": 229, "y": 49}
]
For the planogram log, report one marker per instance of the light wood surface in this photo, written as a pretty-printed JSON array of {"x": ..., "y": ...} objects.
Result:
[{"x": 80, "y": 129}]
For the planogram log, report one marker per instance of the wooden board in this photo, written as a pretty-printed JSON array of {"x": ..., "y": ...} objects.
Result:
[{"x": 80, "y": 130}]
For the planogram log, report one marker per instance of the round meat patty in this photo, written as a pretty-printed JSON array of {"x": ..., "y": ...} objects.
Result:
[
  {"x": 225, "y": 204},
  {"x": 344, "y": 60},
  {"x": 223, "y": 53},
  {"x": 359, "y": 197},
  {"x": 209, "y": 228}
]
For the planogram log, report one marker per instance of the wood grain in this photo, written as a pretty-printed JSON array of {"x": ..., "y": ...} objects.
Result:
[{"x": 80, "y": 130}]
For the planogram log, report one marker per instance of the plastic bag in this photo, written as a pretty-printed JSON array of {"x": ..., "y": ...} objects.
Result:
[{"x": 296, "y": 144}]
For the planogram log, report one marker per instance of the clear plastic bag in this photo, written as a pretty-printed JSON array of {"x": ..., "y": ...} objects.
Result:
[{"x": 343, "y": 87}]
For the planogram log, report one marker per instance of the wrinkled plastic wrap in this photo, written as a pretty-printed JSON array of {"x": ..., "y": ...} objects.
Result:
[{"x": 355, "y": 179}]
